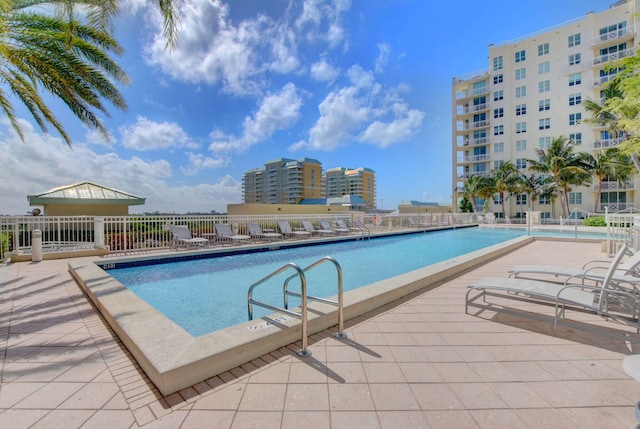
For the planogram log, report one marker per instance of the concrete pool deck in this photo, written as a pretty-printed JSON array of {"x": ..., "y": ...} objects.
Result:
[{"x": 418, "y": 361}]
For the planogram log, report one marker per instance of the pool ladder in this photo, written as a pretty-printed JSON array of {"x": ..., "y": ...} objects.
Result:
[{"x": 304, "y": 297}]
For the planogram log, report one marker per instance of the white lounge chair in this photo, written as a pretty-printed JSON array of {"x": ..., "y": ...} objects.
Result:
[
  {"x": 604, "y": 299},
  {"x": 325, "y": 225},
  {"x": 225, "y": 235},
  {"x": 180, "y": 234},
  {"x": 256, "y": 232},
  {"x": 628, "y": 272},
  {"x": 308, "y": 226},
  {"x": 287, "y": 231}
]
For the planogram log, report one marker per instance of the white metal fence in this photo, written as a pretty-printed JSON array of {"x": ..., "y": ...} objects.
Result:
[{"x": 124, "y": 234}]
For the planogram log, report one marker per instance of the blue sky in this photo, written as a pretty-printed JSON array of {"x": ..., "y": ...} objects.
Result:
[{"x": 352, "y": 83}]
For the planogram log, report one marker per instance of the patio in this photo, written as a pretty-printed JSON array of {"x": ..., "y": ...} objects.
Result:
[{"x": 418, "y": 362}]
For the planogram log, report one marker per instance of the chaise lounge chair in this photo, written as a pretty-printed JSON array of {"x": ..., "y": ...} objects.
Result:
[
  {"x": 285, "y": 229},
  {"x": 627, "y": 272},
  {"x": 308, "y": 226},
  {"x": 604, "y": 300},
  {"x": 256, "y": 233},
  {"x": 225, "y": 235},
  {"x": 181, "y": 234},
  {"x": 325, "y": 225}
]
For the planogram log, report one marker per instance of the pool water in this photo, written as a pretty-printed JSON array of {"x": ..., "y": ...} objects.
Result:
[{"x": 206, "y": 295}]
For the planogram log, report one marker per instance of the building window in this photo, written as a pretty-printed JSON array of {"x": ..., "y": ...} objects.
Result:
[
  {"x": 498, "y": 163},
  {"x": 575, "y": 118},
  {"x": 498, "y": 95},
  {"x": 498, "y": 79},
  {"x": 497, "y": 200},
  {"x": 521, "y": 109},
  {"x": 544, "y": 86},
  {"x": 544, "y": 142},
  {"x": 575, "y": 79},
  {"x": 521, "y": 74},
  {"x": 521, "y": 91},
  {"x": 521, "y": 145},
  {"x": 543, "y": 49},
  {"x": 575, "y": 197},
  {"x": 497, "y": 63},
  {"x": 499, "y": 130},
  {"x": 615, "y": 30},
  {"x": 498, "y": 148},
  {"x": 575, "y": 99},
  {"x": 521, "y": 199},
  {"x": 574, "y": 40},
  {"x": 575, "y": 59},
  {"x": 576, "y": 138},
  {"x": 521, "y": 163},
  {"x": 543, "y": 68},
  {"x": 544, "y": 200},
  {"x": 498, "y": 113},
  {"x": 520, "y": 56},
  {"x": 544, "y": 124},
  {"x": 544, "y": 105},
  {"x": 521, "y": 127}
]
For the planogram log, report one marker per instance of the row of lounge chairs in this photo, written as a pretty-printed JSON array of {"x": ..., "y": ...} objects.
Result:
[
  {"x": 181, "y": 235},
  {"x": 610, "y": 289}
]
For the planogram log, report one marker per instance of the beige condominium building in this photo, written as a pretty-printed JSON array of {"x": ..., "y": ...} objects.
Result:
[
  {"x": 532, "y": 93},
  {"x": 283, "y": 181},
  {"x": 359, "y": 182}
]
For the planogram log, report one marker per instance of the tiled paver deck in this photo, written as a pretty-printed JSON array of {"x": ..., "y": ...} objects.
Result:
[{"x": 421, "y": 363}]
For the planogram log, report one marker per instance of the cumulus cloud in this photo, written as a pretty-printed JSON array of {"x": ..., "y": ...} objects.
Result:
[
  {"x": 43, "y": 162},
  {"x": 383, "y": 57},
  {"x": 149, "y": 135},
  {"x": 275, "y": 112},
  {"x": 213, "y": 50},
  {"x": 198, "y": 161},
  {"x": 365, "y": 112},
  {"x": 322, "y": 71}
]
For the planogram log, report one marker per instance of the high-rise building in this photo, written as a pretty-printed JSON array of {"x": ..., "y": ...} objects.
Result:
[
  {"x": 532, "y": 93},
  {"x": 283, "y": 181},
  {"x": 359, "y": 182}
]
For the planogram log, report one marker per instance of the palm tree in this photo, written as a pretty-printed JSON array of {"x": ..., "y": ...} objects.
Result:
[
  {"x": 504, "y": 180},
  {"x": 609, "y": 164},
  {"x": 532, "y": 186},
  {"x": 564, "y": 166},
  {"x": 475, "y": 187},
  {"x": 68, "y": 54}
]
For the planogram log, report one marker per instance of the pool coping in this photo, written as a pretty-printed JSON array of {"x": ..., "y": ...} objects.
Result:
[{"x": 174, "y": 360}]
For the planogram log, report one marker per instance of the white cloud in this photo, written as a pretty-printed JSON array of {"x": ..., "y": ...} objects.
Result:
[
  {"x": 43, "y": 162},
  {"x": 150, "y": 135},
  {"x": 198, "y": 161},
  {"x": 322, "y": 71},
  {"x": 276, "y": 112},
  {"x": 214, "y": 50},
  {"x": 383, "y": 57},
  {"x": 365, "y": 112}
]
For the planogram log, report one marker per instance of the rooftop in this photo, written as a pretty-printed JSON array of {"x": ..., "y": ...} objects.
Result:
[{"x": 418, "y": 362}]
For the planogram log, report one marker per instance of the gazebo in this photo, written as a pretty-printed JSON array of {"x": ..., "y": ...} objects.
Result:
[{"x": 85, "y": 199}]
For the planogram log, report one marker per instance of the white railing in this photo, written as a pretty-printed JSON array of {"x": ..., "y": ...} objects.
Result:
[
  {"x": 142, "y": 233},
  {"x": 621, "y": 229}
]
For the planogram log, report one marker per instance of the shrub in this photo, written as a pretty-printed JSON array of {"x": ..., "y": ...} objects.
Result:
[{"x": 594, "y": 221}]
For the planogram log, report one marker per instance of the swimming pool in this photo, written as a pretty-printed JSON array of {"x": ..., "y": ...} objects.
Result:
[{"x": 206, "y": 295}]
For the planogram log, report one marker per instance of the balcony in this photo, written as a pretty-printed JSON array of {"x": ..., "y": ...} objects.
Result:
[
  {"x": 465, "y": 176},
  {"x": 468, "y": 110},
  {"x": 615, "y": 207},
  {"x": 603, "y": 79},
  {"x": 613, "y": 56},
  {"x": 606, "y": 186},
  {"x": 475, "y": 142},
  {"x": 472, "y": 92},
  {"x": 616, "y": 35},
  {"x": 473, "y": 125},
  {"x": 475, "y": 158},
  {"x": 606, "y": 143}
]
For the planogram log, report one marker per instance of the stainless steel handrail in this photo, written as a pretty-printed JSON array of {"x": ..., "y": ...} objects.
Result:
[
  {"x": 339, "y": 303},
  {"x": 360, "y": 225},
  {"x": 303, "y": 306}
]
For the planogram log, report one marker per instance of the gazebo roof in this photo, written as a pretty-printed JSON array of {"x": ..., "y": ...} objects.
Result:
[{"x": 84, "y": 193}]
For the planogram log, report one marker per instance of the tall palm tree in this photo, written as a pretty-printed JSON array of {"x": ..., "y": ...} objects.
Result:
[
  {"x": 68, "y": 51},
  {"x": 609, "y": 164},
  {"x": 564, "y": 166},
  {"x": 504, "y": 181},
  {"x": 475, "y": 187},
  {"x": 532, "y": 186}
]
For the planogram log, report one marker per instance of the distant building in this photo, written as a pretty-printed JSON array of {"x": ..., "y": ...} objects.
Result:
[
  {"x": 412, "y": 206},
  {"x": 359, "y": 182},
  {"x": 283, "y": 181},
  {"x": 85, "y": 199},
  {"x": 288, "y": 181}
]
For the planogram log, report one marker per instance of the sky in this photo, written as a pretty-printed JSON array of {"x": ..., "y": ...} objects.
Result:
[{"x": 351, "y": 83}]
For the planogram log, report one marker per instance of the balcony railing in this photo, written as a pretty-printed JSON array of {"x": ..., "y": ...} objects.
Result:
[
  {"x": 476, "y": 158},
  {"x": 613, "y": 56},
  {"x": 615, "y": 207},
  {"x": 626, "y": 32},
  {"x": 606, "y": 143},
  {"x": 466, "y": 110},
  {"x": 473, "y": 125},
  {"x": 473, "y": 173},
  {"x": 629, "y": 185},
  {"x": 473, "y": 92}
]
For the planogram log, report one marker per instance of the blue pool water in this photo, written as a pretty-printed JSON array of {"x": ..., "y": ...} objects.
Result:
[{"x": 206, "y": 295}]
